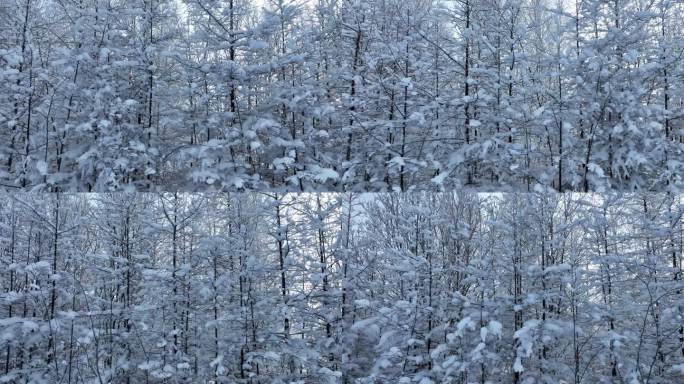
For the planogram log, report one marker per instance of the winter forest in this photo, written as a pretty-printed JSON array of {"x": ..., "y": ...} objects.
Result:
[
  {"x": 342, "y": 288},
  {"x": 341, "y": 191},
  {"x": 342, "y": 95}
]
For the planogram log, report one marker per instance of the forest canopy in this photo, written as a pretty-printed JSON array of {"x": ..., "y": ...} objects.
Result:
[
  {"x": 341, "y": 288},
  {"x": 341, "y": 191},
  {"x": 345, "y": 95}
]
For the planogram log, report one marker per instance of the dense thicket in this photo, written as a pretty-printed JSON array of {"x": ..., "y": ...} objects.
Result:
[
  {"x": 107, "y": 95},
  {"x": 256, "y": 288}
]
